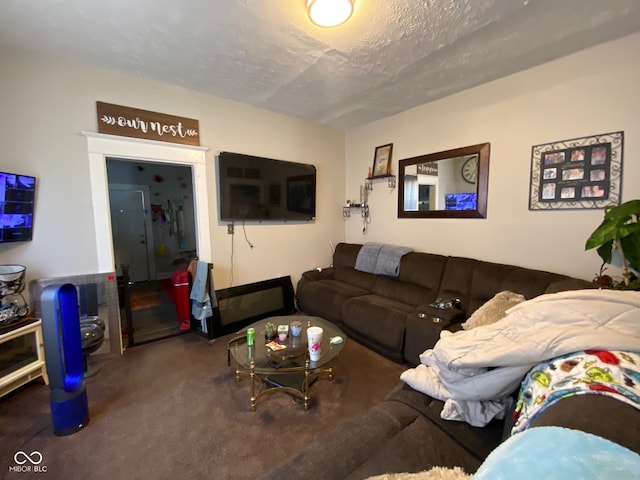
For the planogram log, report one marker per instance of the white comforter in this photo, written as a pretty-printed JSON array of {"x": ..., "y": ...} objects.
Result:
[{"x": 475, "y": 371}]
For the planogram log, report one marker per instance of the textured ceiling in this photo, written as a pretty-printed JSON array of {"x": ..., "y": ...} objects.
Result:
[{"x": 390, "y": 56}]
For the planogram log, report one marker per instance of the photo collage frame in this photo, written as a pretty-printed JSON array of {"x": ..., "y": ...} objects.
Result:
[{"x": 577, "y": 174}]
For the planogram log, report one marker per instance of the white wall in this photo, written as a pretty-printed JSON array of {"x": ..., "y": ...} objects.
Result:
[
  {"x": 45, "y": 106},
  {"x": 592, "y": 92}
]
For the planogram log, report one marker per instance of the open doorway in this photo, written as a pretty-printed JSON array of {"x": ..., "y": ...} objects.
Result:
[
  {"x": 99, "y": 148},
  {"x": 153, "y": 228}
]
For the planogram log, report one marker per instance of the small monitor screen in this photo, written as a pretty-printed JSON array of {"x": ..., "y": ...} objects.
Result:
[
  {"x": 17, "y": 194},
  {"x": 460, "y": 201}
]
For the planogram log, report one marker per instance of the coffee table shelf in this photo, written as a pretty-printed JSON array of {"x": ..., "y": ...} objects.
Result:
[{"x": 288, "y": 370}]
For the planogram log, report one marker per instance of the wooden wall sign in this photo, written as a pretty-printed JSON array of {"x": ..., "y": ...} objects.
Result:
[
  {"x": 428, "y": 168},
  {"x": 132, "y": 122}
]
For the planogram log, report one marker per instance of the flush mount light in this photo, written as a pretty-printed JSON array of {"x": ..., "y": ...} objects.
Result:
[{"x": 329, "y": 13}]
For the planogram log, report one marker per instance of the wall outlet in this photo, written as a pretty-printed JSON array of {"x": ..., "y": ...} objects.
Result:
[{"x": 230, "y": 229}]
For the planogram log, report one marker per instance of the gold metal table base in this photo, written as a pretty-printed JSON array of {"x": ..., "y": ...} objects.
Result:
[{"x": 259, "y": 377}]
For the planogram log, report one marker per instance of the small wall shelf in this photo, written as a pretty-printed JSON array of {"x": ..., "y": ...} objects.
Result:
[
  {"x": 346, "y": 210},
  {"x": 391, "y": 181}
]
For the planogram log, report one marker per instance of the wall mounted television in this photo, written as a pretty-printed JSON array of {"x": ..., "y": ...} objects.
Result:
[
  {"x": 461, "y": 201},
  {"x": 17, "y": 194},
  {"x": 263, "y": 189}
]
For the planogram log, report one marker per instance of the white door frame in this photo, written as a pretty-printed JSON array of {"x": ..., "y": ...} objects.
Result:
[{"x": 101, "y": 146}]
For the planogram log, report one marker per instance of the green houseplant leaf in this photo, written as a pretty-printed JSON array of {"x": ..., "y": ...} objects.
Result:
[
  {"x": 620, "y": 231},
  {"x": 606, "y": 232},
  {"x": 631, "y": 247}
]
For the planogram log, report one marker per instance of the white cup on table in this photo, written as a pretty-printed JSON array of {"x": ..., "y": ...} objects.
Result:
[{"x": 314, "y": 337}]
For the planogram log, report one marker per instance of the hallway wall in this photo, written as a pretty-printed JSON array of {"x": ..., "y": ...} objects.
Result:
[{"x": 48, "y": 103}]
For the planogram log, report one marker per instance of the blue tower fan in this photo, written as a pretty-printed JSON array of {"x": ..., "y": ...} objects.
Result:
[{"x": 63, "y": 354}]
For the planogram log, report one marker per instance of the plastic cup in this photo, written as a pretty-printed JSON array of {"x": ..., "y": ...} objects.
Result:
[
  {"x": 295, "y": 328},
  {"x": 314, "y": 338}
]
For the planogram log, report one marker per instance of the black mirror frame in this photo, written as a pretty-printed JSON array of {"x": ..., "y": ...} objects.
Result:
[{"x": 482, "y": 182}]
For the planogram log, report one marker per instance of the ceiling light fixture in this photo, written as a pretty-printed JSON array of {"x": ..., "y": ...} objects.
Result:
[{"x": 329, "y": 13}]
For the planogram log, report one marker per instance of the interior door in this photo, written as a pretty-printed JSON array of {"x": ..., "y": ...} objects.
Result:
[{"x": 131, "y": 227}]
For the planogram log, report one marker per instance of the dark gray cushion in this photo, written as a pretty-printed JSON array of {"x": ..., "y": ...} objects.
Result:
[
  {"x": 337, "y": 454},
  {"x": 345, "y": 255},
  {"x": 422, "y": 333},
  {"x": 359, "y": 279},
  {"x": 377, "y": 319},
  {"x": 324, "y": 298},
  {"x": 404, "y": 292},
  {"x": 599, "y": 415},
  {"x": 390, "y": 437},
  {"x": 477, "y": 442},
  {"x": 422, "y": 269},
  {"x": 475, "y": 282}
]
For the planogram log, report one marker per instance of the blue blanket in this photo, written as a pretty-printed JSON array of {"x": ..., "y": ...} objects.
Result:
[
  {"x": 558, "y": 453},
  {"x": 381, "y": 259}
]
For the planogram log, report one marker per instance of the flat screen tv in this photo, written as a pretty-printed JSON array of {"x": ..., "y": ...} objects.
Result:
[
  {"x": 258, "y": 189},
  {"x": 17, "y": 193},
  {"x": 461, "y": 201}
]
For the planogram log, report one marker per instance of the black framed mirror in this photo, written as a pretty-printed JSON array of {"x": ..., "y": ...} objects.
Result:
[{"x": 448, "y": 184}]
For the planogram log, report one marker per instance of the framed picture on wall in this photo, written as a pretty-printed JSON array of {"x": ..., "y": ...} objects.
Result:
[
  {"x": 382, "y": 161},
  {"x": 580, "y": 173}
]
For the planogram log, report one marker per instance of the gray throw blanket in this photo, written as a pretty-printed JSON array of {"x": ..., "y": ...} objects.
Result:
[
  {"x": 381, "y": 259},
  {"x": 202, "y": 304}
]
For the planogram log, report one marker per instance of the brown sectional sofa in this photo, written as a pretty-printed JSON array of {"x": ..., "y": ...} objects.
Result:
[
  {"x": 392, "y": 315},
  {"x": 405, "y": 433}
]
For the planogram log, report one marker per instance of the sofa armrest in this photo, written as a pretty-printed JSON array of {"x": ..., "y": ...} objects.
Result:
[
  {"x": 318, "y": 274},
  {"x": 424, "y": 327},
  {"x": 445, "y": 317}
]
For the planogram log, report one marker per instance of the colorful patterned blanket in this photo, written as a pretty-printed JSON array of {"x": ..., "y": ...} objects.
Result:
[{"x": 612, "y": 373}]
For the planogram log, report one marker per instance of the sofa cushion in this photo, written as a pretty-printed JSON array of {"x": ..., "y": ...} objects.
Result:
[
  {"x": 359, "y": 279},
  {"x": 324, "y": 298},
  {"x": 346, "y": 254},
  {"x": 407, "y": 293},
  {"x": 587, "y": 413},
  {"x": 349, "y": 446},
  {"x": 418, "y": 447},
  {"x": 377, "y": 319},
  {"x": 422, "y": 269},
  {"x": 563, "y": 284},
  {"x": 456, "y": 280},
  {"x": 490, "y": 278},
  {"x": 475, "y": 282},
  {"x": 389, "y": 437},
  {"x": 478, "y": 441}
]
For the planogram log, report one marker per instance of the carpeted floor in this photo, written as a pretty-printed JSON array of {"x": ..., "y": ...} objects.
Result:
[{"x": 173, "y": 409}]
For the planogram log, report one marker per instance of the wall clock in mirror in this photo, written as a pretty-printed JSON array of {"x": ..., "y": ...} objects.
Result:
[{"x": 470, "y": 169}]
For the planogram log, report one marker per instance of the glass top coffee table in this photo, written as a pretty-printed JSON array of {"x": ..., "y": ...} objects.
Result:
[{"x": 288, "y": 369}]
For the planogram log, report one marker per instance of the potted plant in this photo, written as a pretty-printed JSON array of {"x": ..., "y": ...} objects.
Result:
[{"x": 620, "y": 232}]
